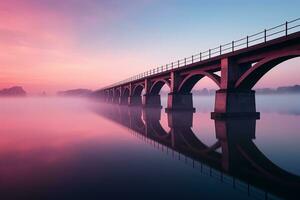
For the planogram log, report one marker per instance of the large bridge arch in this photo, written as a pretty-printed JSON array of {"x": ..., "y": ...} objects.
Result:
[
  {"x": 157, "y": 86},
  {"x": 125, "y": 94},
  {"x": 116, "y": 95},
  {"x": 257, "y": 71},
  {"x": 135, "y": 97},
  {"x": 191, "y": 80},
  {"x": 250, "y": 152},
  {"x": 137, "y": 90}
]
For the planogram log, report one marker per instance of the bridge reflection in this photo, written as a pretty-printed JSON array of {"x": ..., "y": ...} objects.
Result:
[{"x": 233, "y": 157}]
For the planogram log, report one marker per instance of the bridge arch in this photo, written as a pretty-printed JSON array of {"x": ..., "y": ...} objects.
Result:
[
  {"x": 257, "y": 71},
  {"x": 125, "y": 92},
  {"x": 117, "y": 93},
  {"x": 124, "y": 96},
  {"x": 191, "y": 80},
  {"x": 106, "y": 93},
  {"x": 195, "y": 144},
  {"x": 137, "y": 123},
  {"x": 250, "y": 152},
  {"x": 158, "y": 132},
  {"x": 137, "y": 89},
  {"x": 157, "y": 86},
  {"x": 111, "y": 94}
]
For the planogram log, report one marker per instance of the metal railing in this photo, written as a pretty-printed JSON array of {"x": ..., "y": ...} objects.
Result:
[{"x": 278, "y": 31}]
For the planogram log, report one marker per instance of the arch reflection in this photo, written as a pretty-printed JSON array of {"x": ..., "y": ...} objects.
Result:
[{"x": 239, "y": 157}]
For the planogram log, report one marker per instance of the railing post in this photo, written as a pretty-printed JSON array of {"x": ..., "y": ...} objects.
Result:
[
  {"x": 178, "y": 63},
  {"x": 209, "y": 53},
  {"x": 184, "y": 61},
  {"x": 232, "y": 46},
  {"x": 220, "y": 49},
  {"x": 265, "y": 35},
  {"x": 172, "y": 65},
  {"x": 247, "y": 41},
  {"x": 286, "y": 28},
  {"x": 192, "y": 59},
  {"x": 200, "y": 56}
]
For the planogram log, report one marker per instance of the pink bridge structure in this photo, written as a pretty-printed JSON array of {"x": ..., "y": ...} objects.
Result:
[{"x": 235, "y": 67}]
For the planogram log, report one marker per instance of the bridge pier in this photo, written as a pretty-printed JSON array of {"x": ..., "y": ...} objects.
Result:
[
  {"x": 180, "y": 119},
  {"x": 124, "y": 100},
  {"x": 179, "y": 122},
  {"x": 229, "y": 100},
  {"x": 134, "y": 101},
  {"x": 178, "y": 101},
  {"x": 233, "y": 133},
  {"x": 233, "y": 103},
  {"x": 150, "y": 100},
  {"x": 151, "y": 117}
]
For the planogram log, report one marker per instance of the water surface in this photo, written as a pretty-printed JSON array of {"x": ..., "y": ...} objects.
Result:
[{"x": 63, "y": 148}]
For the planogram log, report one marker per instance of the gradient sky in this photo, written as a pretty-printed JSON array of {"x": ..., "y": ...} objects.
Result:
[{"x": 50, "y": 45}]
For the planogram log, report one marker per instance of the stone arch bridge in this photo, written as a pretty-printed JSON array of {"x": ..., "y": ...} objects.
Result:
[{"x": 235, "y": 67}]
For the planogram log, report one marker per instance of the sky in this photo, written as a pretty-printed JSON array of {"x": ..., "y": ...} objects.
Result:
[{"x": 51, "y": 45}]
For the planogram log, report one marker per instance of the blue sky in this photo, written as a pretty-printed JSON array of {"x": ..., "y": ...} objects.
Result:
[{"x": 54, "y": 44}]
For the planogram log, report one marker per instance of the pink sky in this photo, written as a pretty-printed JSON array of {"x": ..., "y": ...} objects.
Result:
[{"x": 56, "y": 45}]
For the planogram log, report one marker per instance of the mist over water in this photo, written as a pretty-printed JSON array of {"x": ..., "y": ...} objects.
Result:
[{"x": 63, "y": 148}]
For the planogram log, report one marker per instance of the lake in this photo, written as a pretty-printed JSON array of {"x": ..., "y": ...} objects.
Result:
[{"x": 68, "y": 148}]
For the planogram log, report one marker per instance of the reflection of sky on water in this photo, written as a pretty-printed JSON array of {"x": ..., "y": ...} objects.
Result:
[
  {"x": 283, "y": 104},
  {"x": 50, "y": 143}
]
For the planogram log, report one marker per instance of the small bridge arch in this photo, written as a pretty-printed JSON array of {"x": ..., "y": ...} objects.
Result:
[{"x": 191, "y": 80}]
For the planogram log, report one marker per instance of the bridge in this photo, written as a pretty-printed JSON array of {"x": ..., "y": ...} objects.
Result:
[
  {"x": 235, "y": 67},
  {"x": 238, "y": 157}
]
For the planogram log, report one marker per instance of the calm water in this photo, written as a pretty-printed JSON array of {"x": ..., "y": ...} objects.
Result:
[{"x": 56, "y": 148}]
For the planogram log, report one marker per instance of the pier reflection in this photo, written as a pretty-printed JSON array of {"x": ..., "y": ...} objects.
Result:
[{"x": 233, "y": 159}]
